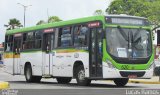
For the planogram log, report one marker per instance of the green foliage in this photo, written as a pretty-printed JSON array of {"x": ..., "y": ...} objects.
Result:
[
  {"x": 54, "y": 19},
  {"x": 98, "y": 12},
  {"x": 50, "y": 20},
  {"x": 145, "y": 8},
  {"x": 13, "y": 23},
  {"x": 41, "y": 22}
]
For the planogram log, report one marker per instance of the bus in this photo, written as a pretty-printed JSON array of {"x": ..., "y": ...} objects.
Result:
[{"x": 112, "y": 47}]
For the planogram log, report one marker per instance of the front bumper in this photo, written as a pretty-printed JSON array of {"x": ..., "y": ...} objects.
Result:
[{"x": 115, "y": 73}]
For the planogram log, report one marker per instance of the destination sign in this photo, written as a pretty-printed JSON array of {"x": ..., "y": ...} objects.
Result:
[
  {"x": 49, "y": 30},
  {"x": 18, "y": 35},
  {"x": 127, "y": 21},
  {"x": 93, "y": 24}
]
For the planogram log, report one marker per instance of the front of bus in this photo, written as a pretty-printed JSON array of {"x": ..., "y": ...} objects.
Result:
[{"x": 128, "y": 50}]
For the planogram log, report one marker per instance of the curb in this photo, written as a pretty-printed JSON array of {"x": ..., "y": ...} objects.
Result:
[
  {"x": 4, "y": 85},
  {"x": 144, "y": 82}
]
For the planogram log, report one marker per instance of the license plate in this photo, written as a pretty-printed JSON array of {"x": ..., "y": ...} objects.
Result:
[{"x": 132, "y": 76}]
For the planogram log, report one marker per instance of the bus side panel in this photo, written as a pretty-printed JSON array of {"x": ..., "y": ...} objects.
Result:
[
  {"x": 35, "y": 58},
  {"x": 63, "y": 63},
  {"x": 8, "y": 62}
]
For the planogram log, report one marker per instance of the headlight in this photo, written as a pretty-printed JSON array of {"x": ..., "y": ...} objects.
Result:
[{"x": 110, "y": 65}]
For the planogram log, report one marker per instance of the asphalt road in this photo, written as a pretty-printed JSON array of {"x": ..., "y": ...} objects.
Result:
[{"x": 51, "y": 87}]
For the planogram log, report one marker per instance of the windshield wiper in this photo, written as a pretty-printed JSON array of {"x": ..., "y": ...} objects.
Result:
[
  {"x": 135, "y": 35},
  {"x": 122, "y": 33}
]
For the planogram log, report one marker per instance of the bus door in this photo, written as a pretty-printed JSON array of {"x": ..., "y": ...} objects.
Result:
[
  {"x": 48, "y": 44},
  {"x": 16, "y": 54},
  {"x": 95, "y": 51}
]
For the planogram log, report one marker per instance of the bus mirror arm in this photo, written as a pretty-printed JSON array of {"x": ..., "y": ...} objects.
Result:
[
  {"x": 16, "y": 51},
  {"x": 47, "y": 49},
  {"x": 19, "y": 51}
]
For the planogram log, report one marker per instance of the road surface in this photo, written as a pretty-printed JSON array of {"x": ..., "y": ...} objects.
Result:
[{"x": 48, "y": 86}]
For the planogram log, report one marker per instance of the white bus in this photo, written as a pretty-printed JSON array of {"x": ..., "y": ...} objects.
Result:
[{"x": 111, "y": 47}]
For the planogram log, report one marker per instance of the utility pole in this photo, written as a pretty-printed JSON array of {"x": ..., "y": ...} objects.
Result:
[
  {"x": 25, "y": 7},
  {"x": 47, "y": 15}
]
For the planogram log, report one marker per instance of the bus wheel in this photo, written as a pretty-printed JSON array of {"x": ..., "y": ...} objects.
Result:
[
  {"x": 121, "y": 81},
  {"x": 80, "y": 77},
  {"x": 63, "y": 80},
  {"x": 28, "y": 75}
]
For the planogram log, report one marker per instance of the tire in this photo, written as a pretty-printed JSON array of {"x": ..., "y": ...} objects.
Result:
[
  {"x": 121, "y": 81},
  {"x": 80, "y": 77},
  {"x": 63, "y": 80},
  {"x": 28, "y": 75}
]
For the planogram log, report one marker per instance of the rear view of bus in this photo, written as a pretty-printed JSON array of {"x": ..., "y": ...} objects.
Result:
[{"x": 128, "y": 52}]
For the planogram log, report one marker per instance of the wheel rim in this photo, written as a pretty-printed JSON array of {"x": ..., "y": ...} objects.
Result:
[
  {"x": 81, "y": 75},
  {"x": 28, "y": 74}
]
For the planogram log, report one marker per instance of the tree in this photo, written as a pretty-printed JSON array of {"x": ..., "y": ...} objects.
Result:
[
  {"x": 13, "y": 23},
  {"x": 98, "y": 12},
  {"x": 40, "y": 22},
  {"x": 50, "y": 20},
  {"x": 145, "y": 8},
  {"x": 54, "y": 19}
]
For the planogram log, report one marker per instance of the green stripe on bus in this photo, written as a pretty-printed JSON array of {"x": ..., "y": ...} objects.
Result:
[{"x": 56, "y": 24}]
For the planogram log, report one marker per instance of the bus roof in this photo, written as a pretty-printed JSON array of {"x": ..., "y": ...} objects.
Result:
[
  {"x": 55, "y": 24},
  {"x": 68, "y": 22}
]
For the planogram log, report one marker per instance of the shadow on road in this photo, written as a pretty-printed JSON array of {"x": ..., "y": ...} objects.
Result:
[{"x": 93, "y": 85}]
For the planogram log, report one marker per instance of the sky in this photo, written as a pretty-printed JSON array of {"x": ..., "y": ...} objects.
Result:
[{"x": 65, "y": 9}]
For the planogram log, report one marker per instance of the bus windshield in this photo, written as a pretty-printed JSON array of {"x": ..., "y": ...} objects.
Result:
[{"x": 128, "y": 43}]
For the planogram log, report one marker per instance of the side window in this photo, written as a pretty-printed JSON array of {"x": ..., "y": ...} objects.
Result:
[
  {"x": 56, "y": 42},
  {"x": 9, "y": 43},
  {"x": 38, "y": 39},
  {"x": 65, "y": 38},
  {"x": 59, "y": 36},
  {"x": 24, "y": 44},
  {"x": 80, "y": 35},
  {"x": 29, "y": 40},
  {"x": 6, "y": 43}
]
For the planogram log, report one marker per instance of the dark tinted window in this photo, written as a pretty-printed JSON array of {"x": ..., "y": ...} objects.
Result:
[
  {"x": 32, "y": 40},
  {"x": 80, "y": 35},
  {"x": 9, "y": 43},
  {"x": 28, "y": 40},
  {"x": 64, "y": 37},
  {"x": 38, "y": 39}
]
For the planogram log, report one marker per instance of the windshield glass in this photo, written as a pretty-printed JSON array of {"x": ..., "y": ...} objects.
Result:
[{"x": 128, "y": 43}]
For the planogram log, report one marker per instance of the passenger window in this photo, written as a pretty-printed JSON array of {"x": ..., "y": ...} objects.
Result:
[
  {"x": 28, "y": 40},
  {"x": 65, "y": 37},
  {"x": 80, "y": 35},
  {"x": 9, "y": 43},
  {"x": 38, "y": 40},
  {"x": 24, "y": 44}
]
